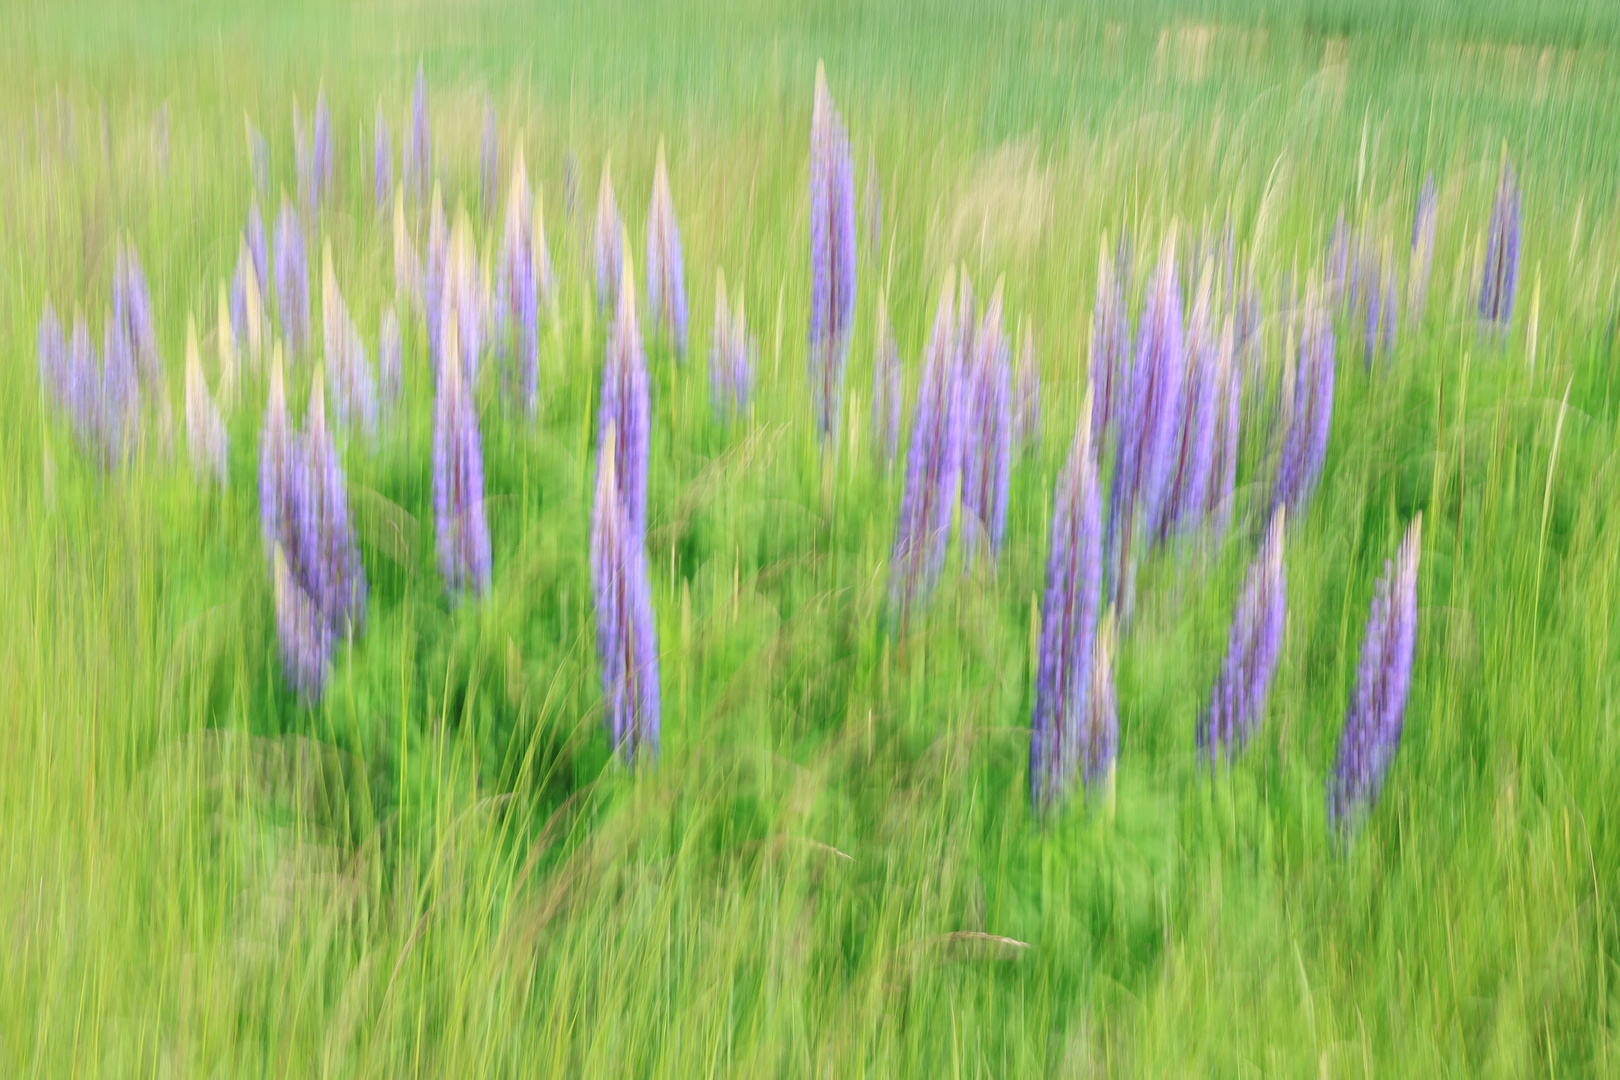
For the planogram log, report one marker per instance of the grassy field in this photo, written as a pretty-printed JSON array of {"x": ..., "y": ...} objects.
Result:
[{"x": 440, "y": 870}]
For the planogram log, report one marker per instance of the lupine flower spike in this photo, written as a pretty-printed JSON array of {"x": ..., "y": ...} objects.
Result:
[
  {"x": 886, "y": 387},
  {"x": 623, "y": 407},
  {"x": 324, "y": 159},
  {"x": 458, "y": 480},
  {"x": 1423, "y": 221},
  {"x": 987, "y": 443},
  {"x": 730, "y": 356},
  {"x": 419, "y": 156},
  {"x": 1188, "y": 491},
  {"x": 1237, "y": 704},
  {"x": 1311, "y": 415},
  {"x": 205, "y": 431},
  {"x": 609, "y": 244},
  {"x": 1373, "y": 722},
  {"x": 933, "y": 464},
  {"x": 334, "y": 575},
  {"x": 292, "y": 280},
  {"x": 1064, "y": 739},
  {"x": 832, "y": 257},
  {"x": 1501, "y": 278},
  {"x": 517, "y": 305},
  {"x": 666, "y": 275},
  {"x": 1147, "y": 427},
  {"x": 626, "y": 637}
]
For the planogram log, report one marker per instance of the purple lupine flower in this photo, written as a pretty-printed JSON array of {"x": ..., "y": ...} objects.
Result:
[
  {"x": 1187, "y": 494},
  {"x": 489, "y": 162},
  {"x": 419, "y": 155},
  {"x": 933, "y": 468},
  {"x": 1305, "y": 442},
  {"x": 1110, "y": 364},
  {"x": 254, "y": 237},
  {"x": 517, "y": 306},
  {"x": 206, "y": 439},
  {"x": 1148, "y": 419},
  {"x": 1228, "y": 429},
  {"x": 666, "y": 274},
  {"x": 832, "y": 256},
  {"x": 323, "y": 160},
  {"x": 302, "y": 631},
  {"x": 1501, "y": 277},
  {"x": 132, "y": 310},
  {"x": 626, "y": 636},
  {"x": 609, "y": 244},
  {"x": 622, "y": 406},
  {"x": 382, "y": 168},
  {"x": 987, "y": 442},
  {"x": 1237, "y": 704},
  {"x": 458, "y": 480},
  {"x": 1062, "y": 741},
  {"x": 886, "y": 388},
  {"x": 258, "y": 158},
  {"x": 438, "y": 252},
  {"x": 334, "y": 577},
  {"x": 390, "y": 359},
  {"x": 284, "y": 509},
  {"x": 292, "y": 280},
  {"x": 1026, "y": 395},
  {"x": 1373, "y": 722},
  {"x": 1423, "y": 221}
]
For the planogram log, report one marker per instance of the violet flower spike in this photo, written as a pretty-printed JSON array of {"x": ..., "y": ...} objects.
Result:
[
  {"x": 1311, "y": 417},
  {"x": 518, "y": 291},
  {"x": 1501, "y": 276},
  {"x": 334, "y": 576},
  {"x": 1374, "y": 720},
  {"x": 622, "y": 406},
  {"x": 666, "y": 275},
  {"x": 1423, "y": 222},
  {"x": 626, "y": 635},
  {"x": 609, "y": 244},
  {"x": 1063, "y": 740},
  {"x": 933, "y": 464},
  {"x": 324, "y": 162},
  {"x": 419, "y": 155},
  {"x": 292, "y": 280},
  {"x": 1194, "y": 447},
  {"x": 832, "y": 257},
  {"x": 458, "y": 482},
  {"x": 1237, "y": 703},
  {"x": 987, "y": 444}
]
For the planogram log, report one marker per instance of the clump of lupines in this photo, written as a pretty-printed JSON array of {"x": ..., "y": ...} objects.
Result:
[
  {"x": 731, "y": 356},
  {"x": 987, "y": 441},
  {"x": 517, "y": 304},
  {"x": 206, "y": 439},
  {"x": 390, "y": 359},
  {"x": 292, "y": 280},
  {"x": 1026, "y": 395},
  {"x": 462, "y": 531},
  {"x": 419, "y": 154},
  {"x": 1110, "y": 363},
  {"x": 334, "y": 575},
  {"x": 1148, "y": 416},
  {"x": 1063, "y": 740},
  {"x": 382, "y": 168},
  {"x": 489, "y": 162},
  {"x": 622, "y": 406},
  {"x": 1228, "y": 430},
  {"x": 886, "y": 387},
  {"x": 933, "y": 465},
  {"x": 832, "y": 257},
  {"x": 1373, "y": 722},
  {"x": 1501, "y": 276},
  {"x": 609, "y": 244},
  {"x": 1311, "y": 415},
  {"x": 1192, "y": 453},
  {"x": 1237, "y": 704},
  {"x": 354, "y": 388},
  {"x": 626, "y": 636},
  {"x": 1423, "y": 221},
  {"x": 666, "y": 274}
]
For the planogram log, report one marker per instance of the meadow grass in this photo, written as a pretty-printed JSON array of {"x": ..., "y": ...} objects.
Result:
[{"x": 440, "y": 870}]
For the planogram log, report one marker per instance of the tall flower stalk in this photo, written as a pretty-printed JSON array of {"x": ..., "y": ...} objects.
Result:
[
  {"x": 1305, "y": 443},
  {"x": 832, "y": 257},
  {"x": 666, "y": 274},
  {"x": 626, "y": 636},
  {"x": 1501, "y": 276},
  {"x": 462, "y": 532},
  {"x": 623, "y": 409},
  {"x": 1377, "y": 712},
  {"x": 987, "y": 443},
  {"x": 1237, "y": 704},
  {"x": 609, "y": 244}
]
